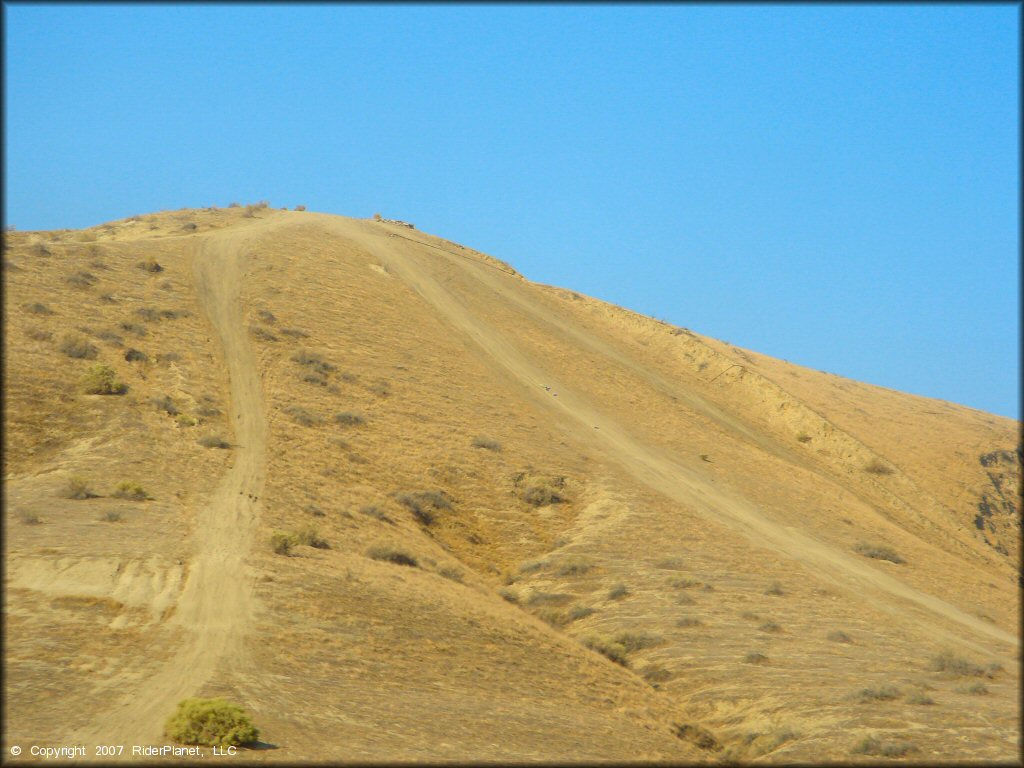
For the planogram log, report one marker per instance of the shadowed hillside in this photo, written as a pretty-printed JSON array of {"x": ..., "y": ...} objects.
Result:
[{"x": 401, "y": 503}]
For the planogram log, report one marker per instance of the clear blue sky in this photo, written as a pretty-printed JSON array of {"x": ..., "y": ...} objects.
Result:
[{"x": 837, "y": 186}]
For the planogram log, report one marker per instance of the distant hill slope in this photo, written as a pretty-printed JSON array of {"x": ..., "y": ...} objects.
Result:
[{"x": 402, "y": 503}]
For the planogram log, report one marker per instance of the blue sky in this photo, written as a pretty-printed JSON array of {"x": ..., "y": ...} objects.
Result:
[{"x": 833, "y": 185}]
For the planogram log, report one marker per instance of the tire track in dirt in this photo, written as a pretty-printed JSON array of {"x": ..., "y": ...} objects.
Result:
[
  {"x": 216, "y": 603},
  {"x": 668, "y": 477}
]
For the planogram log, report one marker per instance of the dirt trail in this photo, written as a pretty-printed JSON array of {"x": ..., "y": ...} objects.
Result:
[
  {"x": 662, "y": 473},
  {"x": 216, "y": 603}
]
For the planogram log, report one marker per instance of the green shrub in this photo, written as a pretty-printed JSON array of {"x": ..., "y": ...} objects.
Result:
[
  {"x": 381, "y": 387},
  {"x": 310, "y": 537},
  {"x": 552, "y": 617},
  {"x": 302, "y": 416},
  {"x": 391, "y": 555},
  {"x": 78, "y": 488},
  {"x": 282, "y": 542},
  {"x": 608, "y": 648},
  {"x": 684, "y": 583},
  {"x": 636, "y": 641},
  {"x": 655, "y": 674},
  {"x": 486, "y": 443},
  {"x": 128, "y": 490},
  {"x": 101, "y": 379},
  {"x": 166, "y": 405},
  {"x": 213, "y": 441},
  {"x": 876, "y": 467},
  {"x": 574, "y": 567},
  {"x": 211, "y": 722},
  {"x": 949, "y": 662},
  {"x": 452, "y": 574},
  {"x": 870, "y": 745},
  {"x": 82, "y": 279},
  {"x": 548, "y": 598},
  {"x": 878, "y": 552},
  {"x": 137, "y": 330},
  {"x": 580, "y": 612},
  {"x": 541, "y": 495},
  {"x": 349, "y": 419},
  {"x": 885, "y": 693},
  {"x": 261, "y": 333},
  {"x": 699, "y": 737},
  {"x": 313, "y": 361},
  {"x": 424, "y": 504},
  {"x": 110, "y": 337},
  {"x": 133, "y": 355},
  {"x": 77, "y": 347},
  {"x": 618, "y": 592},
  {"x": 375, "y": 512}
]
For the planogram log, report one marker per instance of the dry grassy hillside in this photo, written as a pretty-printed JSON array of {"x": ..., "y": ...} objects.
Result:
[{"x": 399, "y": 502}]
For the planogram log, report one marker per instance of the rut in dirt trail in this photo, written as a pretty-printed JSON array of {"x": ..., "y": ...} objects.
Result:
[{"x": 216, "y": 603}]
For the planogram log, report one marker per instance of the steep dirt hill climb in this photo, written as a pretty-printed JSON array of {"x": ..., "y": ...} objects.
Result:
[{"x": 517, "y": 523}]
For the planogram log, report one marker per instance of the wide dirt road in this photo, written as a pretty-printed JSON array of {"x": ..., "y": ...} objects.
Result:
[{"x": 216, "y": 603}]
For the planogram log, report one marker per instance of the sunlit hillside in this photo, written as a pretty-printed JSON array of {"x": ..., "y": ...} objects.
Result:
[{"x": 401, "y": 503}]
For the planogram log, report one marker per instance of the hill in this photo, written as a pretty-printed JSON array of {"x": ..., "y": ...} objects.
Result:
[{"x": 401, "y": 503}]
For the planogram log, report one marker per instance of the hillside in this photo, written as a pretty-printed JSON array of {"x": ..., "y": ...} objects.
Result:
[{"x": 486, "y": 481}]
